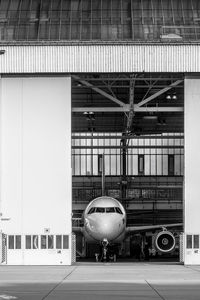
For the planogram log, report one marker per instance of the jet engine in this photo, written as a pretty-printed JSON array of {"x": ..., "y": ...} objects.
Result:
[{"x": 165, "y": 241}]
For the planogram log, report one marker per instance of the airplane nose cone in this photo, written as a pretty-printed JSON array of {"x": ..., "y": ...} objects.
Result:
[{"x": 105, "y": 228}]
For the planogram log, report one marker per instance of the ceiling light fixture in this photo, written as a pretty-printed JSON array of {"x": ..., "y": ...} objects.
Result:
[
  {"x": 89, "y": 115},
  {"x": 171, "y": 96},
  {"x": 168, "y": 97}
]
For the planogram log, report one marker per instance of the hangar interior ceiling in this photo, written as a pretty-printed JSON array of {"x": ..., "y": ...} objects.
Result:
[
  {"x": 131, "y": 103},
  {"x": 137, "y": 121}
]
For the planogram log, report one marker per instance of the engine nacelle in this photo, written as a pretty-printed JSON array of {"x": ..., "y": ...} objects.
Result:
[{"x": 165, "y": 241}]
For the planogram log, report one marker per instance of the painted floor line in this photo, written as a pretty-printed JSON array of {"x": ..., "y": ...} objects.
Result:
[
  {"x": 57, "y": 285},
  {"x": 161, "y": 297}
]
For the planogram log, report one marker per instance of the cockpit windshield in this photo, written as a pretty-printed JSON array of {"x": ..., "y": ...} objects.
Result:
[
  {"x": 105, "y": 210},
  {"x": 92, "y": 210},
  {"x": 118, "y": 210},
  {"x": 100, "y": 210},
  {"x": 110, "y": 209}
]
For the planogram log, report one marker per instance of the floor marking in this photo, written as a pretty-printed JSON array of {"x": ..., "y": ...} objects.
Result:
[
  {"x": 7, "y": 297},
  {"x": 155, "y": 290},
  {"x": 192, "y": 268},
  {"x": 59, "y": 283}
]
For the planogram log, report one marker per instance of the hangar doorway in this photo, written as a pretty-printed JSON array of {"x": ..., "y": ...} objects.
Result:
[{"x": 137, "y": 122}]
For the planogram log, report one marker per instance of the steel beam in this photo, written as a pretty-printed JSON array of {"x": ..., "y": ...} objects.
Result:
[
  {"x": 99, "y": 91},
  {"x": 159, "y": 109},
  {"x": 119, "y": 137},
  {"x": 145, "y": 101},
  {"x": 129, "y": 147},
  {"x": 123, "y": 159},
  {"x": 125, "y": 86},
  {"x": 126, "y": 108},
  {"x": 128, "y": 78},
  {"x": 131, "y": 102}
]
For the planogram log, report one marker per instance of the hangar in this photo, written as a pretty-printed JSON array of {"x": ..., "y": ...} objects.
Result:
[{"x": 81, "y": 79}]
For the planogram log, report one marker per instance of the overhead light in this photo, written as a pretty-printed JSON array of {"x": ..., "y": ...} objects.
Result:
[
  {"x": 89, "y": 115},
  {"x": 171, "y": 96},
  {"x": 168, "y": 97}
]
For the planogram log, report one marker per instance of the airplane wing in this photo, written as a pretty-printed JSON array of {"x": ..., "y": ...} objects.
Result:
[{"x": 136, "y": 229}]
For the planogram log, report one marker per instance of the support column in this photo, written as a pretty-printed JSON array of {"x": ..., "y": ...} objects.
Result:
[
  {"x": 124, "y": 171},
  {"x": 192, "y": 171}
]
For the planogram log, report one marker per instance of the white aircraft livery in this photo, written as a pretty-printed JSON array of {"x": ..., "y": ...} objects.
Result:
[
  {"x": 104, "y": 222},
  {"x": 104, "y": 219}
]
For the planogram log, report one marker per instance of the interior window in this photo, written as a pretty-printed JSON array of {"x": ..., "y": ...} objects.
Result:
[
  {"x": 58, "y": 241},
  {"x": 118, "y": 210},
  {"x": 100, "y": 209},
  {"x": 110, "y": 209}
]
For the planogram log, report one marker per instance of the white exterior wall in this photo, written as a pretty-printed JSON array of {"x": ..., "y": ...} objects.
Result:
[
  {"x": 192, "y": 167},
  {"x": 36, "y": 164},
  {"x": 100, "y": 58}
]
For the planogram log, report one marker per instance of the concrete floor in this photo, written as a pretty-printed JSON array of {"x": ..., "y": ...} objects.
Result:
[{"x": 95, "y": 281}]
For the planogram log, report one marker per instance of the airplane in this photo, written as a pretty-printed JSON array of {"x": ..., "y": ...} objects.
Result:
[{"x": 104, "y": 222}]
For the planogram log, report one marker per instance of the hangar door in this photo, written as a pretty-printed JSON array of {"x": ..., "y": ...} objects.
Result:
[{"x": 36, "y": 169}]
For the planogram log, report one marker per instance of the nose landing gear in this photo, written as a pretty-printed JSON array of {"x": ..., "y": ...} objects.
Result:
[
  {"x": 106, "y": 252},
  {"x": 104, "y": 256}
]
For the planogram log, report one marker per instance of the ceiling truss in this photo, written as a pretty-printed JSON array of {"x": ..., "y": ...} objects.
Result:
[
  {"x": 128, "y": 102},
  {"x": 164, "y": 90},
  {"x": 98, "y": 90}
]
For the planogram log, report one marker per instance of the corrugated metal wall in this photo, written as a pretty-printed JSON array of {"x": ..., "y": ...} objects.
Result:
[{"x": 100, "y": 58}]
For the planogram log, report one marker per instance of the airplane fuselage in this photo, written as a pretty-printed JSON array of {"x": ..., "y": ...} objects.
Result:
[{"x": 104, "y": 219}]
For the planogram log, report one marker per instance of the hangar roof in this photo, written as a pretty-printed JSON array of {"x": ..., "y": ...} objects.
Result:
[{"x": 100, "y": 20}]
